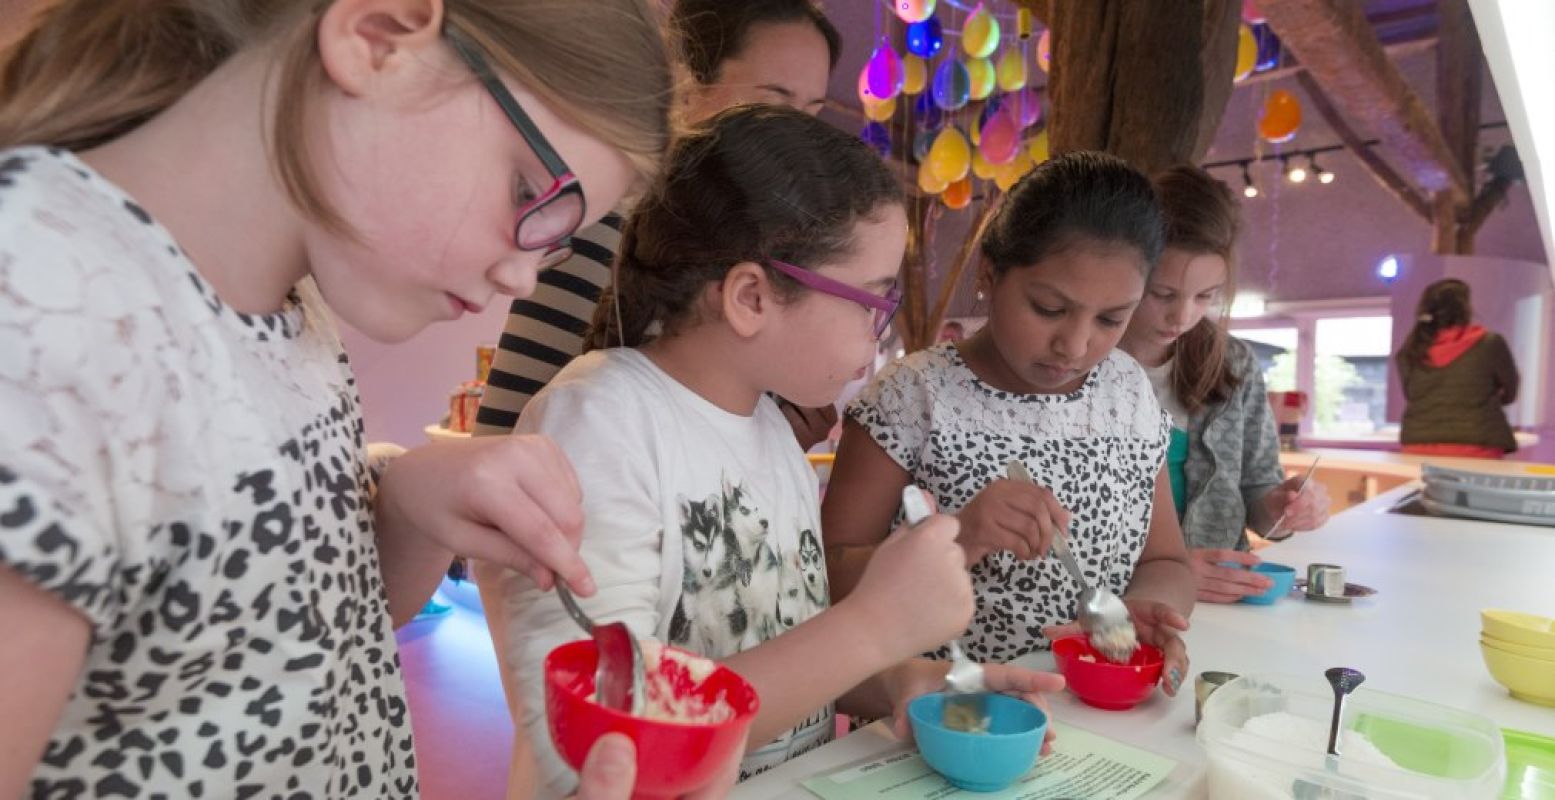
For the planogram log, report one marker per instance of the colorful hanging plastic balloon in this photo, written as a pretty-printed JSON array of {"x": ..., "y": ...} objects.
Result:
[
  {"x": 920, "y": 146},
  {"x": 1026, "y": 106},
  {"x": 924, "y": 39},
  {"x": 877, "y": 137},
  {"x": 1281, "y": 117},
  {"x": 883, "y": 72},
  {"x": 1268, "y": 48},
  {"x": 1045, "y": 50},
  {"x": 882, "y": 111},
  {"x": 1037, "y": 149},
  {"x": 980, "y": 72},
  {"x": 980, "y": 166},
  {"x": 952, "y": 85},
  {"x": 958, "y": 195},
  {"x": 980, "y": 34},
  {"x": 1000, "y": 138},
  {"x": 1012, "y": 70},
  {"x": 950, "y": 157},
  {"x": 913, "y": 10},
  {"x": 1250, "y": 13},
  {"x": 915, "y": 75},
  {"x": 1005, "y": 175},
  {"x": 989, "y": 109},
  {"x": 927, "y": 115},
  {"x": 929, "y": 182},
  {"x": 1246, "y": 53}
]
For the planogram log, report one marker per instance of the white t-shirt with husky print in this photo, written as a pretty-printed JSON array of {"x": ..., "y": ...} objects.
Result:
[{"x": 702, "y": 529}]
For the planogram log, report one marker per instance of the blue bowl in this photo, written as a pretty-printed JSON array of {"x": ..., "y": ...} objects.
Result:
[
  {"x": 1284, "y": 578},
  {"x": 980, "y": 762}
]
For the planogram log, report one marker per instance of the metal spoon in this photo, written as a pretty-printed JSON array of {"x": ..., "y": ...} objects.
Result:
[
  {"x": 1344, "y": 681},
  {"x": 1102, "y": 614},
  {"x": 1300, "y": 487},
  {"x": 966, "y": 698},
  {"x": 619, "y": 677}
]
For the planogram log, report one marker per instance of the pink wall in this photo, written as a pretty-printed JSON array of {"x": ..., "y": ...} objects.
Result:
[{"x": 405, "y": 386}]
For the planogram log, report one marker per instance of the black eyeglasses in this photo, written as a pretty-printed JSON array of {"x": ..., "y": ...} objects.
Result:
[{"x": 548, "y": 221}]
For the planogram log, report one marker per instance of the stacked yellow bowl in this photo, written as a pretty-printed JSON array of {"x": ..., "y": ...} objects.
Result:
[{"x": 1519, "y": 650}]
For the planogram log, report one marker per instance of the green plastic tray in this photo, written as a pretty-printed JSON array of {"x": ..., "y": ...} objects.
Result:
[{"x": 1530, "y": 766}]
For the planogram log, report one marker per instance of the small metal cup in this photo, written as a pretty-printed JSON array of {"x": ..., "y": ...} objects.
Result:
[
  {"x": 1326, "y": 580},
  {"x": 1205, "y": 685}
]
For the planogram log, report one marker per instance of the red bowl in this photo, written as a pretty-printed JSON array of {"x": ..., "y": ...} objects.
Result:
[
  {"x": 673, "y": 758},
  {"x": 1103, "y": 684}
]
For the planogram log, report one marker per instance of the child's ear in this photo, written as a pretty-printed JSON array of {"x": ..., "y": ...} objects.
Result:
[
  {"x": 984, "y": 283},
  {"x": 747, "y": 299},
  {"x": 361, "y": 42}
]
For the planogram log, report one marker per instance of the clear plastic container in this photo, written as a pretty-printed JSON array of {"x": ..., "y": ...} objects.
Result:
[{"x": 1439, "y": 752}]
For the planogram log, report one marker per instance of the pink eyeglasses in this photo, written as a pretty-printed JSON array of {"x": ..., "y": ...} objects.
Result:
[{"x": 885, "y": 306}]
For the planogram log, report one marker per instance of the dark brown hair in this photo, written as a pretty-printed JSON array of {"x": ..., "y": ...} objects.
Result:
[
  {"x": 752, "y": 183},
  {"x": 89, "y": 71},
  {"x": 1202, "y": 217},
  {"x": 711, "y": 32},
  {"x": 1444, "y": 304},
  {"x": 1071, "y": 199}
]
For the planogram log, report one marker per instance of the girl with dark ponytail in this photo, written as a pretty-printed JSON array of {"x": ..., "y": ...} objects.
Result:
[{"x": 765, "y": 262}]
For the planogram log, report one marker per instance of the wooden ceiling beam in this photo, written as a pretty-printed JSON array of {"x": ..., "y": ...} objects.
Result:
[
  {"x": 1293, "y": 66},
  {"x": 1381, "y": 170},
  {"x": 1341, "y": 52}
]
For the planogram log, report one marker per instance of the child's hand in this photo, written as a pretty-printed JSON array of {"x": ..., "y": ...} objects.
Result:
[
  {"x": 1305, "y": 511},
  {"x": 610, "y": 771},
  {"x": 915, "y": 591},
  {"x": 1156, "y": 624},
  {"x": 921, "y": 676},
  {"x": 1219, "y": 584},
  {"x": 511, "y": 500},
  {"x": 1017, "y": 516}
]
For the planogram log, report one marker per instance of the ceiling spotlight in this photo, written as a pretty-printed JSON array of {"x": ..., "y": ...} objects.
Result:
[
  {"x": 1296, "y": 174},
  {"x": 1248, "y": 189},
  {"x": 1323, "y": 175}
]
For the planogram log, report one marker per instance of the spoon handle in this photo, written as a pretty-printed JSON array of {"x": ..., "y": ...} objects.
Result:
[
  {"x": 572, "y": 608},
  {"x": 1016, "y": 471}
]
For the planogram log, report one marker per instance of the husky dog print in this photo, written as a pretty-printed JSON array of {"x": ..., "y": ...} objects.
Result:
[{"x": 739, "y": 589}]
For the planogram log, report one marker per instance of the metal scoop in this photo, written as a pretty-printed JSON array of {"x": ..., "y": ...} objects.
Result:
[
  {"x": 966, "y": 695},
  {"x": 1102, "y": 614},
  {"x": 619, "y": 677},
  {"x": 1344, "y": 681}
]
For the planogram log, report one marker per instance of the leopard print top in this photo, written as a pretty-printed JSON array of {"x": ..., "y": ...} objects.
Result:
[
  {"x": 1098, "y": 449},
  {"x": 193, "y": 481}
]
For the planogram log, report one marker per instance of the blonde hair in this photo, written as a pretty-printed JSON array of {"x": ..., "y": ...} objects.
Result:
[{"x": 89, "y": 72}]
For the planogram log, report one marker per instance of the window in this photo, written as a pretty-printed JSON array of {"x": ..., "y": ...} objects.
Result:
[
  {"x": 1275, "y": 349},
  {"x": 1338, "y": 353},
  {"x": 1350, "y": 396}
]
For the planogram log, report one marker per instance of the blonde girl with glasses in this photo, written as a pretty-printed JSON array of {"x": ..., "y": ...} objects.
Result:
[{"x": 199, "y": 574}]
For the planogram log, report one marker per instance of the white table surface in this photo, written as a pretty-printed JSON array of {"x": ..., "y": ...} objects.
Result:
[{"x": 1418, "y": 636}]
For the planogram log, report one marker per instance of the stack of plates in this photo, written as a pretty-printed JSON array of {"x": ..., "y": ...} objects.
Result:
[{"x": 1521, "y": 499}]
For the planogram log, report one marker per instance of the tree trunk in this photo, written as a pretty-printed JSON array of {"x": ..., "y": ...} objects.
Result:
[{"x": 1130, "y": 78}]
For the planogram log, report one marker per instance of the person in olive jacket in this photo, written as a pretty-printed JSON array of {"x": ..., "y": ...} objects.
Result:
[{"x": 1456, "y": 377}]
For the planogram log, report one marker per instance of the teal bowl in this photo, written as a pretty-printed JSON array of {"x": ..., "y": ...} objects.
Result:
[
  {"x": 980, "y": 762},
  {"x": 1284, "y": 578}
]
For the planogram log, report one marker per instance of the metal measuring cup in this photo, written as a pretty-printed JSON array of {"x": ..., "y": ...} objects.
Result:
[
  {"x": 1205, "y": 685},
  {"x": 1325, "y": 580}
]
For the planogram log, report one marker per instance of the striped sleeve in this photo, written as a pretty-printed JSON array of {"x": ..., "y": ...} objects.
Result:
[{"x": 545, "y": 330}]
